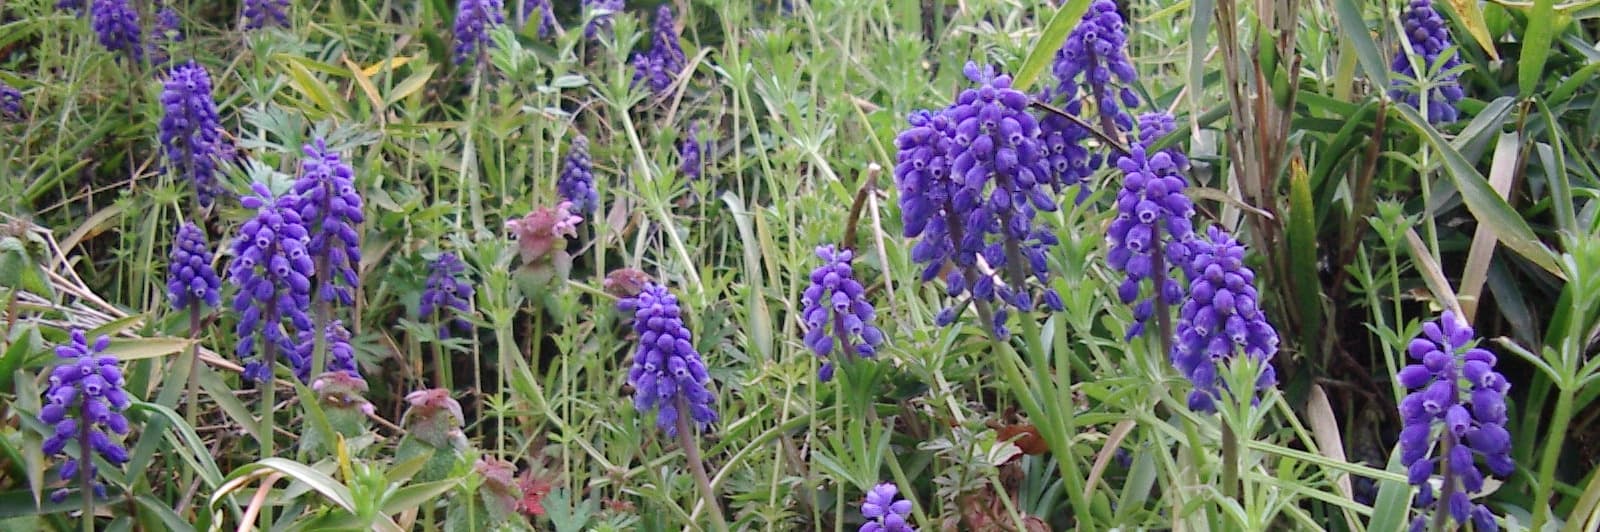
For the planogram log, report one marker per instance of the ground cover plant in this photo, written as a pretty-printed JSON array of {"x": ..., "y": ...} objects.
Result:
[{"x": 799, "y": 265}]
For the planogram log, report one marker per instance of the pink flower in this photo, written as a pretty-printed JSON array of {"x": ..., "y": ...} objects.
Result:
[{"x": 538, "y": 232}]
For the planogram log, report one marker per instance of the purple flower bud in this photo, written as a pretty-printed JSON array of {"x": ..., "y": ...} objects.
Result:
[
  {"x": 661, "y": 64},
  {"x": 546, "y": 14},
  {"x": 885, "y": 511},
  {"x": 1430, "y": 40},
  {"x": 117, "y": 25},
  {"x": 263, "y": 13},
  {"x": 474, "y": 18},
  {"x": 689, "y": 152},
  {"x": 666, "y": 362},
  {"x": 446, "y": 297},
  {"x": 1473, "y": 418},
  {"x": 576, "y": 182},
  {"x": 191, "y": 280},
  {"x": 271, "y": 273},
  {"x": 842, "y": 312},
  {"x": 84, "y": 404},
  {"x": 331, "y": 210},
  {"x": 10, "y": 102},
  {"x": 190, "y": 132}
]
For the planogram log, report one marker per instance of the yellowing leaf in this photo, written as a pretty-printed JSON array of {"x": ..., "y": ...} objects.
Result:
[
  {"x": 390, "y": 64},
  {"x": 1472, "y": 17}
]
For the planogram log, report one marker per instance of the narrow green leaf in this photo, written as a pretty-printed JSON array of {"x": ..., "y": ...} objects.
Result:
[
  {"x": 1472, "y": 17},
  {"x": 1348, "y": 13},
  {"x": 126, "y": 349},
  {"x": 1302, "y": 220},
  {"x": 318, "y": 481},
  {"x": 1554, "y": 157},
  {"x": 1481, "y": 200},
  {"x": 415, "y": 495},
  {"x": 1394, "y": 498},
  {"x": 1199, "y": 30},
  {"x": 1536, "y": 46},
  {"x": 169, "y": 518},
  {"x": 1044, "y": 51}
]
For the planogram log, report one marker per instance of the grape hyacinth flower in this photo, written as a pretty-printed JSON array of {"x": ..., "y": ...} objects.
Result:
[
  {"x": 118, "y": 26},
  {"x": 689, "y": 153},
  {"x": 272, "y": 271},
  {"x": 576, "y": 182},
  {"x": 341, "y": 356},
  {"x": 599, "y": 14},
  {"x": 190, "y": 132},
  {"x": 10, "y": 102},
  {"x": 971, "y": 179},
  {"x": 836, "y": 299},
  {"x": 474, "y": 18},
  {"x": 885, "y": 511},
  {"x": 331, "y": 210},
  {"x": 262, "y": 13},
  {"x": 665, "y": 60},
  {"x": 1430, "y": 39},
  {"x": 446, "y": 296},
  {"x": 546, "y": 13},
  {"x": 191, "y": 281},
  {"x": 84, "y": 405},
  {"x": 1471, "y": 420},
  {"x": 1219, "y": 319},
  {"x": 1093, "y": 58},
  {"x": 667, "y": 373},
  {"x": 1152, "y": 231},
  {"x": 168, "y": 30}
]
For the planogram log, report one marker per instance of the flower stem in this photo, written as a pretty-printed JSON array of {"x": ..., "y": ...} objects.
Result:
[
  {"x": 1230, "y": 461},
  {"x": 1552, "y": 454},
  {"x": 691, "y": 451},
  {"x": 267, "y": 409},
  {"x": 86, "y": 471}
]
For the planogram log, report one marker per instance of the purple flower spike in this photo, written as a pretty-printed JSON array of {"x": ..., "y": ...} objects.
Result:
[
  {"x": 689, "y": 151},
  {"x": 971, "y": 180},
  {"x": 546, "y": 14},
  {"x": 1219, "y": 319},
  {"x": 1152, "y": 215},
  {"x": 660, "y": 66},
  {"x": 191, "y": 281},
  {"x": 836, "y": 311},
  {"x": 272, "y": 272},
  {"x": 262, "y": 13},
  {"x": 447, "y": 296},
  {"x": 599, "y": 14},
  {"x": 1453, "y": 387},
  {"x": 1087, "y": 68},
  {"x": 1430, "y": 39},
  {"x": 341, "y": 356},
  {"x": 84, "y": 406},
  {"x": 10, "y": 102},
  {"x": 576, "y": 182},
  {"x": 885, "y": 511},
  {"x": 331, "y": 209},
  {"x": 190, "y": 132},
  {"x": 167, "y": 31},
  {"x": 667, "y": 371},
  {"x": 118, "y": 27},
  {"x": 474, "y": 18}
]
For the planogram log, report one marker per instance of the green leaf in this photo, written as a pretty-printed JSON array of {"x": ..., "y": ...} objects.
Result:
[
  {"x": 1472, "y": 17},
  {"x": 1050, "y": 41},
  {"x": 1394, "y": 499},
  {"x": 416, "y": 495},
  {"x": 1302, "y": 220},
  {"x": 1488, "y": 207},
  {"x": 169, "y": 518},
  {"x": 1536, "y": 46},
  {"x": 318, "y": 481},
  {"x": 126, "y": 349},
  {"x": 1355, "y": 29},
  {"x": 1554, "y": 158}
]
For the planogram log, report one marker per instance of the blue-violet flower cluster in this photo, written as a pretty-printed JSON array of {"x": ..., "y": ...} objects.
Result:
[
  {"x": 1220, "y": 318},
  {"x": 263, "y": 13},
  {"x": 1152, "y": 231},
  {"x": 836, "y": 310},
  {"x": 474, "y": 18},
  {"x": 191, "y": 281},
  {"x": 1472, "y": 420},
  {"x": 971, "y": 179},
  {"x": 1430, "y": 39},
  {"x": 341, "y": 356},
  {"x": 168, "y": 30},
  {"x": 190, "y": 132},
  {"x": 689, "y": 152},
  {"x": 118, "y": 26},
  {"x": 272, "y": 271},
  {"x": 10, "y": 102},
  {"x": 446, "y": 295},
  {"x": 599, "y": 14},
  {"x": 885, "y": 511},
  {"x": 1092, "y": 58},
  {"x": 84, "y": 405},
  {"x": 547, "y": 15},
  {"x": 665, "y": 59},
  {"x": 330, "y": 208},
  {"x": 576, "y": 182},
  {"x": 667, "y": 372}
]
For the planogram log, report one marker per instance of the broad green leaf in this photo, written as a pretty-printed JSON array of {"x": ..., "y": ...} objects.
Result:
[
  {"x": 1481, "y": 200},
  {"x": 1536, "y": 46},
  {"x": 1348, "y": 13},
  {"x": 1472, "y": 17},
  {"x": 1044, "y": 51}
]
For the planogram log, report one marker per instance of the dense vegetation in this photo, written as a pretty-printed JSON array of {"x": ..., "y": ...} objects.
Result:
[{"x": 799, "y": 265}]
